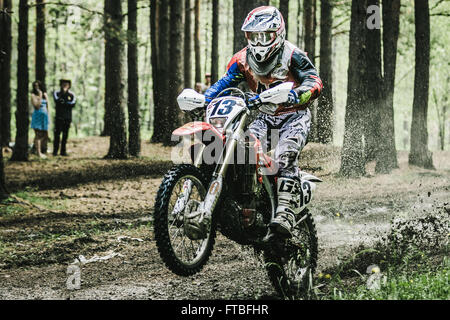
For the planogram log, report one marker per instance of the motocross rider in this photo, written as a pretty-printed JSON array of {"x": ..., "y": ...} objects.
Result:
[{"x": 268, "y": 60}]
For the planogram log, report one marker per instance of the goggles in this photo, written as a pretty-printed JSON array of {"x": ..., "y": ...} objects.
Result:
[{"x": 261, "y": 38}]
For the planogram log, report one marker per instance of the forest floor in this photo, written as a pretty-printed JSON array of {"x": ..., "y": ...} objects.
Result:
[{"x": 64, "y": 207}]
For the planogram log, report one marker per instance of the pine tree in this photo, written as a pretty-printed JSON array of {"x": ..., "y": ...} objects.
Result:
[
  {"x": 325, "y": 108},
  {"x": 419, "y": 153},
  {"x": 118, "y": 148},
  {"x": 161, "y": 81},
  {"x": 197, "y": 48},
  {"x": 284, "y": 9},
  {"x": 176, "y": 74},
  {"x": 134, "y": 124},
  {"x": 107, "y": 118},
  {"x": 187, "y": 44},
  {"x": 352, "y": 158},
  {"x": 215, "y": 42},
  {"x": 387, "y": 153},
  {"x": 20, "y": 151},
  {"x": 40, "y": 42},
  {"x": 373, "y": 89},
  {"x": 5, "y": 72},
  {"x": 240, "y": 11}
]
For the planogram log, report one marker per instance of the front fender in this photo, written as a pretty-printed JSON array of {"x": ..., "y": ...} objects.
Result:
[{"x": 192, "y": 128}]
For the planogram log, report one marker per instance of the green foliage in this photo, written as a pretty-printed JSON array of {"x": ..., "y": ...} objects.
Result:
[
  {"x": 22, "y": 203},
  {"x": 411, "y": 262},
  {"x": 426, "y": 283},
  {"x": 74, "y": 48}
]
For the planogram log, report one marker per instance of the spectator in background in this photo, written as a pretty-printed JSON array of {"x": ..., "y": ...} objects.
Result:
[
  {"x": 65, "y": 101},
  {"x": 39, "y": 119},
  {"x": 202, "y": 87}
]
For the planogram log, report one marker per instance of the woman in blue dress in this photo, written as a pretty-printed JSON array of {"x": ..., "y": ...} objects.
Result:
[{"x": 39, "y": 119}]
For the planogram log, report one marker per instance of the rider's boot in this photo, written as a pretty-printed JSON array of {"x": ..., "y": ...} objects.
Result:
[{"x": 288, "y": 206}]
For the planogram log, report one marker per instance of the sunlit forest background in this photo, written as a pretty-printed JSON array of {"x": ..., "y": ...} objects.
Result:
[{"x": 75, "y": 44}]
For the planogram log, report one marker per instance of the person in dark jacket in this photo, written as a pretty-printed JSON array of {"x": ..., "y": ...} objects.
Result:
[{"x": 65, "y": 101}]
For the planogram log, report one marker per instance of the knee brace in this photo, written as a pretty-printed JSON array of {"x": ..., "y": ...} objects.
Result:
[{"x": 286, "y": 156}]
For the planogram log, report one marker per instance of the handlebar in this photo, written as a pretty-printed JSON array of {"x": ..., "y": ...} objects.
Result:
[
  {"x": 253, "y": 101},
  {"x": 250, "y": 98}
]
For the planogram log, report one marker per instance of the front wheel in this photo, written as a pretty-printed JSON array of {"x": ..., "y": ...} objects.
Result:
[
  {"x": 182, "y": 254},
  {"x": 291, "y": 267}
]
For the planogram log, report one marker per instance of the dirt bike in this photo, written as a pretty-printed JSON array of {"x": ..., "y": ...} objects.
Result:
[{"x": 238, "y": 198}]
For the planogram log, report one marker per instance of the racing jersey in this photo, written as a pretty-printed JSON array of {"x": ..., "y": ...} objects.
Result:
[{"x": 293, "y": 66}]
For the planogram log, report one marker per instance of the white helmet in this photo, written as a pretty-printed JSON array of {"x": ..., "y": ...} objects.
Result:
[{"x": 265, "y": 32}]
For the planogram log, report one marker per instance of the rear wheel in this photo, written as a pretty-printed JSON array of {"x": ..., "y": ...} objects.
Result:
[
  {"x": 292, "y": 265},
  {"x": 181, "y": 254}
]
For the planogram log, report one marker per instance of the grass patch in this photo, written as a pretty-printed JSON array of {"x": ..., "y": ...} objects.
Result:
[
  {"x": 426, "y": 283},
  {"x": 12, "y": 210},
  {"x": 11, "y": 207},
  {"x": 43, "y": 202},
  {"x": 409, "y": 263}
]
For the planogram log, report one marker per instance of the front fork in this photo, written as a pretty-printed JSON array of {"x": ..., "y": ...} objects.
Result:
[
  {"x": 215, "y": 187},
  {"x": 182, "y": 201},
  {"x": 206, "y": 208}
]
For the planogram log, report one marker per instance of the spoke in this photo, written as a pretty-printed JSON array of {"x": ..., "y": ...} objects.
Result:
[
  {"x": 178, "y": 230},
  {"x": 174, "y": 220},
  {"x": 185, "y": 249},
  {"x": 181, "y": 241},
  {"x": 193, "y": 250}
]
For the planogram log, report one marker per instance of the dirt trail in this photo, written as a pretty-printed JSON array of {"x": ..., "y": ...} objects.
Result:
[{"x": 36, "y": 248}]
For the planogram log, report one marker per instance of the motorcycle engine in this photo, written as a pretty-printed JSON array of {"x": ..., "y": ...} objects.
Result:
[
  {"x": 231, "y": 222},
  {"x": 240, "y": 224}
]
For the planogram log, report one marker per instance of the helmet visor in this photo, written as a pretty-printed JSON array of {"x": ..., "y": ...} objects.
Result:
[{"x": 261, "y": 38}]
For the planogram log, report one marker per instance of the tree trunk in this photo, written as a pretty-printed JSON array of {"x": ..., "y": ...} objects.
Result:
[
  {"x": 187, "y": 44},
  {"x": 155, "y": 61},
  {"x": 101, "y": 65},
  {"x": 160, "y": 110},
  {"x": 5, "y": 88},
  {"x": 299, "y": 24},
  {"x": 240, "y": 11},
  {"x": 239, "y": 14},
  {"x": 419, "y": 153},
  {"x": 134, "y": 126},
  {"x": 284, "y": 9},
  {"x": 5, "y": 72},
  {"x": 215, "y": 42},
  {"x": 309, "y": 21},
  {"x": 387, "y": 151},
  {"x": 309, "y": 28},
  {"x": 374, "y": 87},
  {"x": 325, "y": 109},
  {"x": 118, "y": 137},
  {"x": 207, "y": 32},
  {"x": 56, "y": 49},
  {"x": 20, "y": 152},
  {"x": 3, "y": 190},
  {"x": 107, "y": 118},
  {"x": 197, "y": 48},
  {"x": 352, "y": 158},
  {"x": 40, "y": 42},
  {"x": 176, "y": 74}
]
